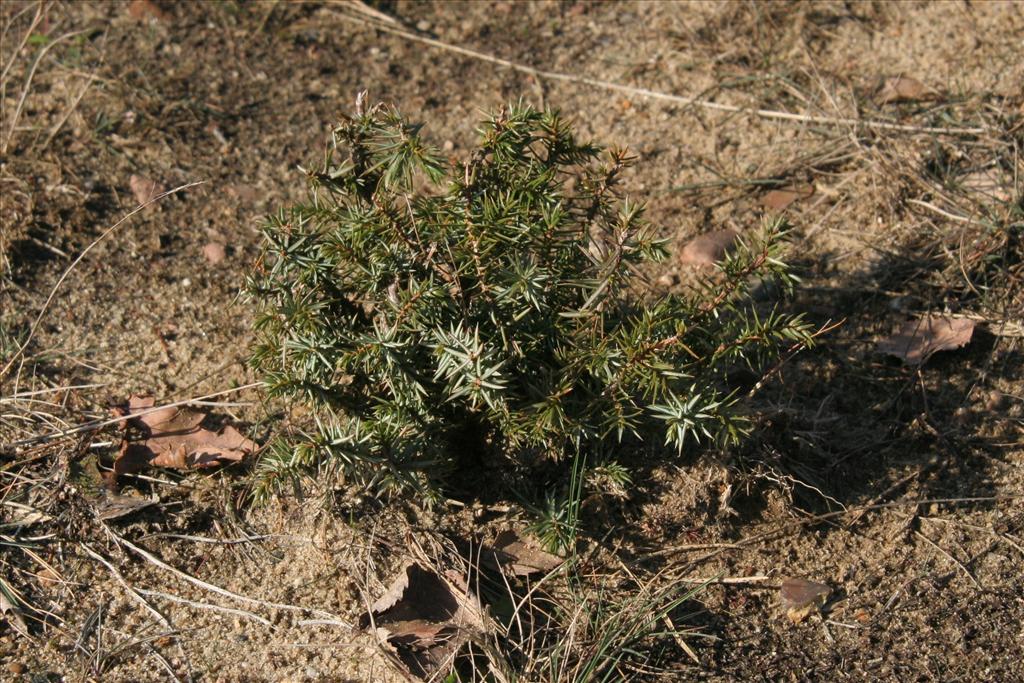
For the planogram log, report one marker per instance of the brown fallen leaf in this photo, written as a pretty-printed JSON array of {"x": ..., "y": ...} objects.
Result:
[
  {"x": 900, "y": 89},
  {"x": 424, "y": 619},
  {"x": 779, "y": 200},
  {"x": 175, "y": 437},
  {"x": 802, "y": 598},
  {"x": 918, "y": 339},
  {"x": 214, "y": 252},
  {"x": 144, "y": 10},
  {"x": 143, "y": 188},
  {"x": 709, "y": 248},
  {"x": 522, "y": 556}
]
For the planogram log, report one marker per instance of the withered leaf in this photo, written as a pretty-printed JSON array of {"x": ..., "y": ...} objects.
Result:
[
  {"x": 143, "y": 188},
  {"x": 424, "y": 618},
  {"x": 523, "y": 556},
  {"x": 709, "y": 248},
  {"x": 175, "y": 437},
  {"x": 779, "y": 200},
  {"x": 900, "y": 89},
  {"x": 416, "y": 593},
  {"x": 918, "y": 339},
  {"x": 801, "y": 597},
  {"x": 144, "y": 10}
]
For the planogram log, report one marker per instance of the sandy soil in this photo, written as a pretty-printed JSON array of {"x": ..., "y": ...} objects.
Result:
[{"x": 236, "y": 96}]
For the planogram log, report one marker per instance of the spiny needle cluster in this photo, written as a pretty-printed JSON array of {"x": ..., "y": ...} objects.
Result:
[{"x": 420, "y": 308}]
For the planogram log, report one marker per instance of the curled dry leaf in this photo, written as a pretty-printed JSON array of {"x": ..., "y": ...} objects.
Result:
[
  {"x": 143, "y": 188},
  {"x": 424, "y": 618},
  {"x": 801, "y": 597},
  {"x": 144, "y": 10},
  {"x": 175, "y": 437},
  {"x": 901, "y": 89},
  {"x": 779, "y": 200},
  {"x": 709, "y": 248},
  {"x": 522, "y": 556},
  {"x": 214, "y": 252},
  {"x": 918, "y": 339}
]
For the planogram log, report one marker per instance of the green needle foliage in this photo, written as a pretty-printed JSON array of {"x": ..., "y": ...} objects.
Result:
[{"x": 432, "y": 313}]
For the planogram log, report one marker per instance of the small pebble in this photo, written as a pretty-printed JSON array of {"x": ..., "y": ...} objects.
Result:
[
  {"x": 423, "y": 25},
  {"x": 16, "y": 668}
]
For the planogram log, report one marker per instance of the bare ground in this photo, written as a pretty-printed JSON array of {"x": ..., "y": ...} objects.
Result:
[{"x": 901, "y": 222}]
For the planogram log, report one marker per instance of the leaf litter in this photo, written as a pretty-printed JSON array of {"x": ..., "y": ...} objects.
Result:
[
  {"x": 781, "y": 199},
  {"x": 424, "y": 618},
  {"x": 901, "y": 89},
  {"x": 174, "y": 437},
  {"x": 709, "y": 248},
  {"x": 522, "y": 556},
  {"x": 918, "y": 339},
  {"x": 143, "y": 188},
  {"x": 801, "y": 598}
]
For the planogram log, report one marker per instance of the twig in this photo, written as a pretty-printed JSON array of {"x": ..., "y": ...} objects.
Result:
[
  {"x": 96, "y": 424},
  {"x": 70, "y": 110},
  {"x": 216, "y": 541},
  {"x": 40, "y": 11},
  {"x": 952, "y": 559},
  {"x": 360, "y": 6},
  {"x": 690, "y": 546},
  {"x": 53, "y": 292},
  {"x": 26, "y": 394},
  {"x": 131, "y": 591},
  {"x": 206, "y": 605},
  {"x": 726, "y": 580},
  {"x": 942, "y": 212},
  {"x": 28, "y": 84},
  {"x": 870, "y": 506},
  {"x": 653, "y": 94},
  {"x": 683, "y": 645},
  {"x": 323, "y": 622},
  {"x": 145, "y": 554}
]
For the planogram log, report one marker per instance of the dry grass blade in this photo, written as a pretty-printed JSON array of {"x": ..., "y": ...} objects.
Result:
[
  {"x": 153, "y": 559},
  {"x": 13, "y": 120},
  {"x": 666, "y": 97},
  {"x": 244, "y": 614},
  {"x": 97, "y": 424},
  {"x": 121, "y": 580}
]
